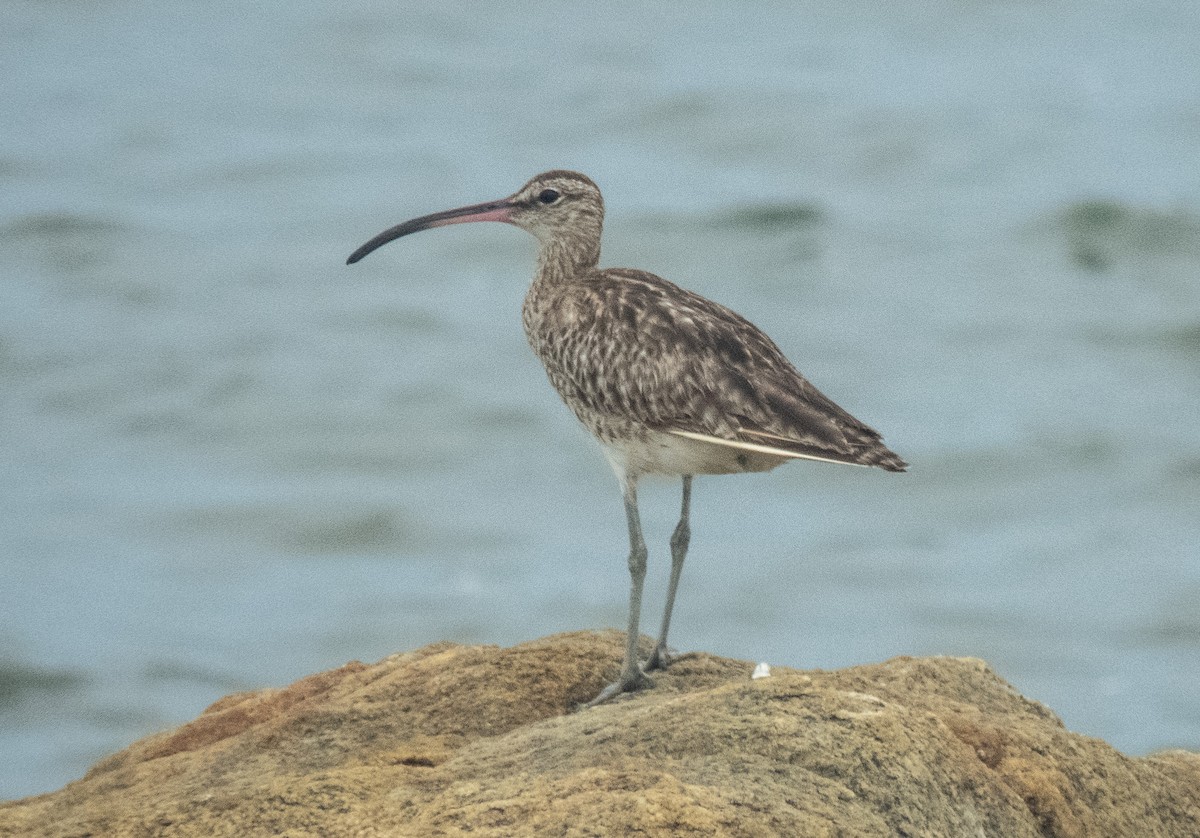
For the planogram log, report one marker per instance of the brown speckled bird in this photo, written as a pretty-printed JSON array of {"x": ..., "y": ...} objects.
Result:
[{"x": 668, "y": 381}]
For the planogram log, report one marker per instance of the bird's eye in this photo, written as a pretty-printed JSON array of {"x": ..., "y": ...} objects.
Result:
[{"x": 548, "y": 196}]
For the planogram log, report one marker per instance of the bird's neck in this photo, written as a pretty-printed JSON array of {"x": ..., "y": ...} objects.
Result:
[{"x": 563, "y": 257}]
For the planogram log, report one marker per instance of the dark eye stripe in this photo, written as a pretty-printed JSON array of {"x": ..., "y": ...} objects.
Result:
[{"x": 548, "y": 196}]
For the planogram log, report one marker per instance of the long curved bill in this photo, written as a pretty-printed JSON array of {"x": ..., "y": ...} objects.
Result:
[{"x": 491, "y": 211}]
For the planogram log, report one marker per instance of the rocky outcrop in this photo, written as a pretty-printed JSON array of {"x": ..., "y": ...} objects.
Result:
[{"x": 452, "y": 739}]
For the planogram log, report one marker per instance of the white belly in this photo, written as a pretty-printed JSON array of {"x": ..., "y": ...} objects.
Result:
[{"x": 664, "y": 453}]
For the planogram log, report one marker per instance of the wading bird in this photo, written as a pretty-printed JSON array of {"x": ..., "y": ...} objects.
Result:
[{"x": 668, "y": 382}]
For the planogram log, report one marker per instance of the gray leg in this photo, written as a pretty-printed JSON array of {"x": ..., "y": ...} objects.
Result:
[
  {"x": 659, "y": 658},
  {"x": 631, "y": 677}
]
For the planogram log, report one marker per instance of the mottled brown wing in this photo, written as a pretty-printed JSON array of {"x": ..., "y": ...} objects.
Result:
[{"x": 643, "y": 348}]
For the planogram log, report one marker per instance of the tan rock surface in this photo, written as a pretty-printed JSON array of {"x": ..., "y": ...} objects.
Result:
[{"x": 453, "y": 739}]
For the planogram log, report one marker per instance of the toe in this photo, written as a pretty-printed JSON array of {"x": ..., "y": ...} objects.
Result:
[
  {"x": 627, "y": 683},
  {"x": 660, "y": 658}
]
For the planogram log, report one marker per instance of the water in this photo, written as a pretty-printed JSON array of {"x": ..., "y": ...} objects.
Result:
[{"x": 229, "y": 460}]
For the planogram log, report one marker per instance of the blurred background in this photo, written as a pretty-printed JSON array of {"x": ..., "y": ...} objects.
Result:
[{"x": 229, "y": 460}]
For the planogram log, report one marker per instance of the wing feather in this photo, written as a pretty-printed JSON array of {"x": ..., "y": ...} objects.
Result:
[{"x": 632, "y": 345}]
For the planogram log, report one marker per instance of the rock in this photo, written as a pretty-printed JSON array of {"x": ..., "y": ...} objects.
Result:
[{"x": 451, "y": 739}]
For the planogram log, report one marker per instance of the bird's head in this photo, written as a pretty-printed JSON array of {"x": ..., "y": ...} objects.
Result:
[{"x": 558, "y": 207}]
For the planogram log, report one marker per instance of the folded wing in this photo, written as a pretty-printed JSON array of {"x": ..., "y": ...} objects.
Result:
[{"x": 677, "y": 362}]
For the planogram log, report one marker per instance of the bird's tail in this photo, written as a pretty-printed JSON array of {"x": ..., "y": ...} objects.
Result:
[{"x": 883, "y": 458}]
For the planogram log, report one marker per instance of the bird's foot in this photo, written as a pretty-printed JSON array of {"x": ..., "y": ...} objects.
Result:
[
  {"x": 627, "y": 683},
  {"x": 660, "y": 658}
]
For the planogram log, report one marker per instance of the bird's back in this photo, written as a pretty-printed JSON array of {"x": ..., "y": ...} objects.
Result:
[{"x": 636, "y": 357}]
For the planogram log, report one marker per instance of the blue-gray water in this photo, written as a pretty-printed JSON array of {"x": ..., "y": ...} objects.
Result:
[{"x": 229, "y": 460}]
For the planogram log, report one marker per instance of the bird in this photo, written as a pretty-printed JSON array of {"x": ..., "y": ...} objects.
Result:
[{"x": 669, "y": 382}]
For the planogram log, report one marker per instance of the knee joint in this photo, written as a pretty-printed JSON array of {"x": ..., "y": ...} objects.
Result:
[
  {"x": 681, "y": 537},
  {"x": 637, "y": 559}
]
